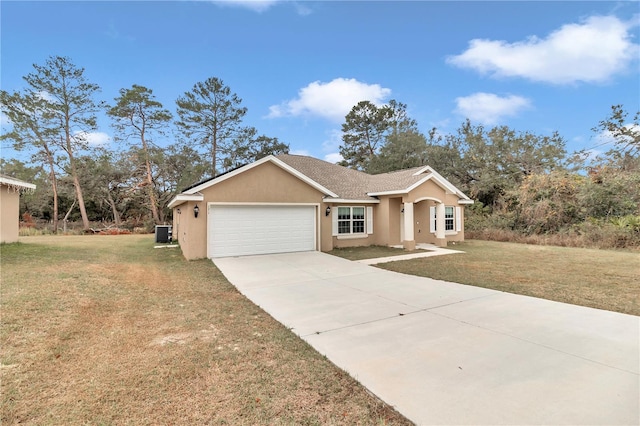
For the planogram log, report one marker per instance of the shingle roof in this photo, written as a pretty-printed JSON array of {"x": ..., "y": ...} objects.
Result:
[
  {"x": 347, "y": 183},
  {"x": 352, "y": 184},
  {"x": 338, "y": 182}
]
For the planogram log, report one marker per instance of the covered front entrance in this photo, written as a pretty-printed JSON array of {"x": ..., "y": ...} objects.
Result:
[{"x": 423, "y": 221}]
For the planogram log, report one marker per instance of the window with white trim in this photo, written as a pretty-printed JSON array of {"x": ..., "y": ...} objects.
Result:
[
  {"x": 351, "y": 220},
  {"x": 448, "y": 218},
  {"x": 452, "y": 219}
]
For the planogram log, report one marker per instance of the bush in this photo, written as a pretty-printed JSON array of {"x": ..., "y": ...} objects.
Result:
[{"x": 592, "y": 233}]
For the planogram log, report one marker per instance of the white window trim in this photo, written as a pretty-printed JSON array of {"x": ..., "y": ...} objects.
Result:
[
  {"x": 368, "y": 223},
  {"x": 451, "y": 219},
  {"x": 457, "y": 220}
]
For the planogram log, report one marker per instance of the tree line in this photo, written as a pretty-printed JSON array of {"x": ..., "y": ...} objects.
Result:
[
  {"x": 526, "y": 187},
  {"x": 524, "y": 184},
  {"x": 54, "y": 117}
]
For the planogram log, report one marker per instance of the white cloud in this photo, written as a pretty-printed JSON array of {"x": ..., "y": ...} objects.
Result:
[
  {"x": 333, "y": 142},
  {"x": 254, "y": 5},
  {"x": 302, "y": 9},
  {"x": 591, "y": 51},
  {"x": 93, "y": 138},
  {"x": 332, "y": 100},
  {"x": 299, "y": 152},
  {"x": 489, "y": 108},
  {"x": 334, "y": 157}
]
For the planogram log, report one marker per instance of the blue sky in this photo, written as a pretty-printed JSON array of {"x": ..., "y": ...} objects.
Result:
[{"x": 299, "y": 67}]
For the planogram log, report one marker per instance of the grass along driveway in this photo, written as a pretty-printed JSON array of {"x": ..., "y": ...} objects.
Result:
[
  {"x": 107, "y": 330},
  {"x": 602, "y": 279}
]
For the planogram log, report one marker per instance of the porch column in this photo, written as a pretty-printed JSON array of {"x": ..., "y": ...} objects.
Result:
[
  {"x": 441, "y": 241},
  {"x": 409, "y": 242}
]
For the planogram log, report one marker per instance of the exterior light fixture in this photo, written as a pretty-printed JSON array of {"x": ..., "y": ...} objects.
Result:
[
  {"x": 178, "y": 210},
  {"x": 327, "y": 212},
  {"x": 196, "y": 210}
]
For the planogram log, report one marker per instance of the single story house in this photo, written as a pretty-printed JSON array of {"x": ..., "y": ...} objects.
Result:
[
  {"x": 10, "y": 189},
  {"x": 289, "y": 203}
]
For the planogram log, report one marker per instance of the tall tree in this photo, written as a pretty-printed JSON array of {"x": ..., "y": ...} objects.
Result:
[
  {"x": 248, "y": 147},
  {"x": 499, "y": 159},
  {"x": 399, "y": 119},
  {"x": 33, "y": 130},
  {"x": 107, "y": 181},
  {"x": 68, "y": 102},
  {"x": 401, "y": 150},
  {"x": 212, "y": 116},
  {"x": 368, "y": 128},
  {"x": 181, "y": 166},
  {"x": 137, "y": 116},
  {"x": 625, "y": 134},
  {"x": 364, "y": 132}
]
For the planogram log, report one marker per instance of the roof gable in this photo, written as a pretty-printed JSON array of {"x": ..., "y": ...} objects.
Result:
[
  {"x": 341, "y": 184},
  {"x": 270, "y": 158}
]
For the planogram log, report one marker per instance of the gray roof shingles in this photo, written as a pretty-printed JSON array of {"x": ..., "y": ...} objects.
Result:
[{"x": 347, "y": 183}]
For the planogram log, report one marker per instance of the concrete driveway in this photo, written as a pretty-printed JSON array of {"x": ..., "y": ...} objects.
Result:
[{"x": 446, "y": 353}]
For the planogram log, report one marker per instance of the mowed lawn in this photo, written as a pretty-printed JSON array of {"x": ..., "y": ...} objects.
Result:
[
  {"x": 109, "y": 330},
  {"x": 602, "y": 279}
]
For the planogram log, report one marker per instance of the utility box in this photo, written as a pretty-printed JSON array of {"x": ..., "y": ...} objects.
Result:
[{"x": 163, "y": 233}]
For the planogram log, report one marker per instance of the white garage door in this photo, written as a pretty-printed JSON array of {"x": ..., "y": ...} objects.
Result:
[{"x": 245, "y": 230}]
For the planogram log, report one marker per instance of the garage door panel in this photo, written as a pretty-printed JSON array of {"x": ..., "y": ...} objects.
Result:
[{"x": 245, "y": 230}]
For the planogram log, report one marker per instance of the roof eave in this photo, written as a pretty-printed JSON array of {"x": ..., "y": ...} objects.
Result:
[
  {"x": 183, "y": 198},
  {"x": 16, "y": 183},
  {"x": 350, "y": 201},
  {"x": 381, "y": 193}
]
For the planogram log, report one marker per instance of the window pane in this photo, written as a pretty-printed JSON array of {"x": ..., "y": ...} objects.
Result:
[
  {"x": 358, "y": 212},
  {"x": 448, "y": 212},
  {"x": 344, "y": 227},
  {"x": 358, "y": 226},
  {"x": 448, "y": 218},
  {"x": 344, "y": 213}
]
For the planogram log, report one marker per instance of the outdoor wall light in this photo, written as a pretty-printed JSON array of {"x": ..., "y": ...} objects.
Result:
[
  {"x": 178, "y": 210},
  {"x": 327, "y": 212},
  {"x": 196, "y": 210}
]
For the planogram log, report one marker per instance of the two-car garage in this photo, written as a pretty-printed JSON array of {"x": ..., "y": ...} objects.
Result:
[{"x": 248, "y": 229}]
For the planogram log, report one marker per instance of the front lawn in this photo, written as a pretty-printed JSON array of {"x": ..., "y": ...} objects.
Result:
[
  {"x": 108, "y": 330},
  {"x": 602, "y": 279}
]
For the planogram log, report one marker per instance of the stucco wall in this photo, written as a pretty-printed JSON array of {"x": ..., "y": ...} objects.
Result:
[
  {"x": 9, "y": 214},
  {"x": 266, "y": 183},
  {"x": 421, "y": 212}
]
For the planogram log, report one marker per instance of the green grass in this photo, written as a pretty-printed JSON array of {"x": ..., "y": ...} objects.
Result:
[
  {"x": 108, "y": 330},
  {"x": 603, "y": 279},
  {"x": 370, "y": 252}
]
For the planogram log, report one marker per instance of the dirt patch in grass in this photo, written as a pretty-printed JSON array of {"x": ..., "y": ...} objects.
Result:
[
  {"x": 603, "y": 279},
  {"x": 107, "y": 330},
  {"x": 370, "y": 252}
]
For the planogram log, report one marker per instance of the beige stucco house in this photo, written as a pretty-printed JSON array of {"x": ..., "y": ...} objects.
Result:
[
  {"x": 296, "y": 203},
  {"x": 10, "y": 189}
]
